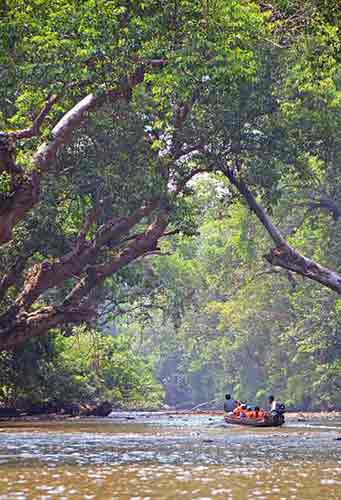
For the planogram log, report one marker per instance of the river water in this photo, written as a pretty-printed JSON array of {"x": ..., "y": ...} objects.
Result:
[{"x": 158, "y": 457}]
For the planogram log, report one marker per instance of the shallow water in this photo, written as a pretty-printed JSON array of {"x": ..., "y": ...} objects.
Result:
[{"x": 157, "y": 457}]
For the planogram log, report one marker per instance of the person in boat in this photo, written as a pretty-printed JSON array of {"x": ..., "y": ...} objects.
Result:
[
  {"x": 277, "y": 410},
  {"x": 273, "y": 403},
  {"x": 230, "y": 404},
  {"x": 249, "y": 412},
  {"x": 258, "y": 413},
  {"x": 236, "y": 411},
  {"x": 243, "y": 410}
]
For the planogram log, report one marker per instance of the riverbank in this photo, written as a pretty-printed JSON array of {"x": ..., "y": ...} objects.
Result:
[{"x": 136, "y": 415}]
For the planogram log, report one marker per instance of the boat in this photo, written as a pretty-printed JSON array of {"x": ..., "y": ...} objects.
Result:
[{"x": 267, "y": 421}]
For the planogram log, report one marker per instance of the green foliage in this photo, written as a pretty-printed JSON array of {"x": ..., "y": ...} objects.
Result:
[
  {"x": 239, "y": 328},
  {"x": 265, "y": 99},
  {"x": 85, "y": 367}
]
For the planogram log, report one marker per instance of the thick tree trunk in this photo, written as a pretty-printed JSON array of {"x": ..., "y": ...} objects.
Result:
[
  {"x": 28, "y": 325},
  {"x": 18, "y": 325}
]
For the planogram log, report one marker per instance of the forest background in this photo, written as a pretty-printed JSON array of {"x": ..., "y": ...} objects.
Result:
[{"x": 169, "y": 201}]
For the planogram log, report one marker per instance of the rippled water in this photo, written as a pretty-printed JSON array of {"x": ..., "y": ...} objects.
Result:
[{"x": 164, "y": 458}]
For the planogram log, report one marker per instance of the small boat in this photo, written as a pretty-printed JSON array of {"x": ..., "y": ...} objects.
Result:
[{"x": 267, "y": 421}]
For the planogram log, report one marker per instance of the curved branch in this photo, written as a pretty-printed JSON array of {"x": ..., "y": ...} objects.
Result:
[
  {"x": 61, "y": 133},
  {"x": 139, "y": 246},
  {"x": 38, "y": 322},
  {"x": 26, "y": 195},
  {"x": 283, "y": 255},
  {"x": 46, "y": 275}
]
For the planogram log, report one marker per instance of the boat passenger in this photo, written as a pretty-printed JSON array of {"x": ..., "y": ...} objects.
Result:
[
  {"x": 243, "y": 410},
  {"x": 236, "y": 411},
  {"x": 249, "y": 412},
  {"x": 273, "y": 403},
  {"x": 258, "y": 413},
  {"x": 229, "y": 404}
]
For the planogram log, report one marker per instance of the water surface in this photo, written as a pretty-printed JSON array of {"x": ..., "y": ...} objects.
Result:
[{"x": 158, "y": 457}]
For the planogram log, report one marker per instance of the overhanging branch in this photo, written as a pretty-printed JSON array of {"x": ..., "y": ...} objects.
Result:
[
  {"x": 283, "y": 255},
  {"x": 27, "y": 193}
]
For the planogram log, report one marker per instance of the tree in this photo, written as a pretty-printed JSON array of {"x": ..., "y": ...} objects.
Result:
[
  {"x": 280, "y": 129},
  {"x": 239, "y": 327},
  {"x": 82, "y": 84},
  {"x": 86, "y": 367}
]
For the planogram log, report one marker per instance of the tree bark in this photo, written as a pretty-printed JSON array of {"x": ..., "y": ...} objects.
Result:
[
  {"x": 49, "y": 274},
  {"x": 12, "y": 276},
  {"x": 15, "y": 207},
  {"x": 141, "y": 245},
  {"x": 27, "y": 325},
  {"x": 288, "y": 258}
]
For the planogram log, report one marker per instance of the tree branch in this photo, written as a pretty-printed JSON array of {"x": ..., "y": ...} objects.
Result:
[
  {"x": 236, "y": 181},
  {"x": 28, "y": 325},
  {"x": 139, "y": 246},
  {"x": 34, "y": 129},
  {"x": 62, "y": 131},
  {"x": 47, "y": 275},
  {"x": 27, "y": 194},
  {"x": 12, "y": 276},
  {"x": 187, "y": 178},
  {"x": 283, "y": 255},
  {"x": 326, "y": 204}
]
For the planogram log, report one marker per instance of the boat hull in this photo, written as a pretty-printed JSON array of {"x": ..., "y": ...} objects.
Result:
[{"x": 251, "y": 422}]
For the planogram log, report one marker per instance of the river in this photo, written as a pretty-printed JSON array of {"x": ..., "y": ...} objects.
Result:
[{"x": 147, "y": 457}]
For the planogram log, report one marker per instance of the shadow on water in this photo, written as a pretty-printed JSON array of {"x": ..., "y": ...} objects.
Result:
[{"x": 155, "y": 457}]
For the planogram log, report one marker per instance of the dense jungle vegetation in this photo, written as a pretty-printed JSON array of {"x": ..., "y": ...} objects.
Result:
[{"x": 170, "y": 201}]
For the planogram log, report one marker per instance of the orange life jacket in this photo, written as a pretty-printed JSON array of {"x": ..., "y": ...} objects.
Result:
[{"x": 237, "y": 411}]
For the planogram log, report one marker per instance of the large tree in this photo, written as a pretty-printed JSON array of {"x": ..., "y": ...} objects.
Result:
[
  {"x": 275, "y": 137},
  {"x": 109, "y": 109},
  {"x": 95, "y": 98}
]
